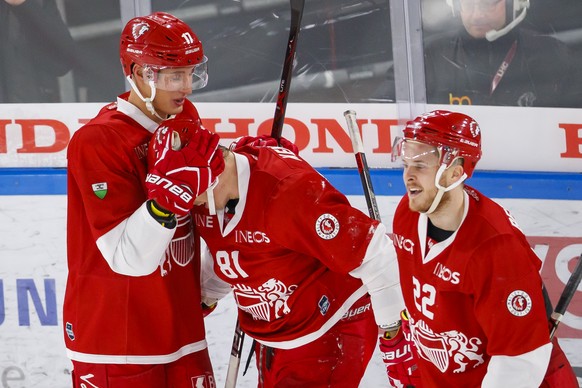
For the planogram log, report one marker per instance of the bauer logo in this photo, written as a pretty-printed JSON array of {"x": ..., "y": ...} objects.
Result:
[
  {"x": 327, "y": 226},
  {"x": 519, "y": 303}
]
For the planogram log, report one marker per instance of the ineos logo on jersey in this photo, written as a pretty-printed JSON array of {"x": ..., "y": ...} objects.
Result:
[
  {"x": 327, "y": 226},
  {"x": 170, "y": 186},
  {"x": 519, "y": 303},
  {"x": 203, "y": 220},
  {"x": 446, "y": 274},
  {"x": 403, "y": 243},
  {"x": 247, "y": 236}
]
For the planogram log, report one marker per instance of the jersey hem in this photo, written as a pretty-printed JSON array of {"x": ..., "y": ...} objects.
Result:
[
  {"x": 335, "y": 318},
  {"x": 142, "y": 360}
]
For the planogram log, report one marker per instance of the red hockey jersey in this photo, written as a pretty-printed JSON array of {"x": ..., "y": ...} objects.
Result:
[
  {"x": 296, "y": 253},
  {"x": 127, "y": 299},
  {"x": 475, "y": 299}
]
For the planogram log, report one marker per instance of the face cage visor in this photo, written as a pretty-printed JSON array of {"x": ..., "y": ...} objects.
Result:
[
  {"x": 445, "y": 156},
  {"x": 173, "y": 79},
  {"x": 401, "y": 153}
]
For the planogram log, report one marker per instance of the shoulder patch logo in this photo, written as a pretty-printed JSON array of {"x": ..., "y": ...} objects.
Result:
[
  {"x": 327, "y": 226},
  {"x": 519, "y": 303},
  {"x": 323, "y": 304},
  {"x": 100, "y": 189},
  {"x": 69, "y": 330}
]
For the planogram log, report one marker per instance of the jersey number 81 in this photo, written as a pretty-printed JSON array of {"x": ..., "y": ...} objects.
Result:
[{"x": 229, "y": 265}]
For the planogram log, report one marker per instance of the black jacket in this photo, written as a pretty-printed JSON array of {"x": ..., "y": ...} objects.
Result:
[
  {"x": 36, "y": 47},
  {"x": 461, "y": 69}
]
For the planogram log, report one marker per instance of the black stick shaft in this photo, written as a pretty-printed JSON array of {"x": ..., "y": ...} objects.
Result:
[
  {"x": 285, "y": 85},
  {"x": 566, "y": 296},
  {"x": 283, "y": 93}
]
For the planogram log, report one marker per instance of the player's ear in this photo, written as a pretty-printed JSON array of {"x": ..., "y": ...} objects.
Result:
[
  {"x": 137, "y": 71},
  {"x": 457, "y": 169}
]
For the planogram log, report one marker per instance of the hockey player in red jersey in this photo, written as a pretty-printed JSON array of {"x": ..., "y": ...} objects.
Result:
[
  {"x": 131, "y": 316},
  {"x": 470, "y": 280},
  {"x": 312, "y": 276}
]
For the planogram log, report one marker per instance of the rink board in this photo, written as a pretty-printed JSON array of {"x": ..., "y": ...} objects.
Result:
[{"x": 495, "y": 184}]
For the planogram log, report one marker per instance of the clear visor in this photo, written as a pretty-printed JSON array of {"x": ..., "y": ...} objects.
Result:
[
  {"x": 408, "y": 150},
  {"x": 415, "y": 153},
  {"x": 174, "y": 79}
]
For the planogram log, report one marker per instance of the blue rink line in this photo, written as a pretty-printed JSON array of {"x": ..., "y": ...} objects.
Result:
[{"x": 495, "y": 184}]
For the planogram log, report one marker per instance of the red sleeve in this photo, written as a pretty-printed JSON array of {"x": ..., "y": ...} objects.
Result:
[
  {"x": 95, "y": 158},
  {"x": 509, "y": 304}
]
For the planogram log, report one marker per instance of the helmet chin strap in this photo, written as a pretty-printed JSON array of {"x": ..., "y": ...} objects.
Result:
[
  {"x": 148, "y": 100},
  {"x": 495, "y": 34},
  {"x": 210, "y": 196},
  {"x": 442, "y": 190}
]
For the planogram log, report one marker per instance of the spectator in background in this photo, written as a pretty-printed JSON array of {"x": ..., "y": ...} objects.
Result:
[
  {"x": 493, "y": 60},
  {"x": 36, "y": 48}
]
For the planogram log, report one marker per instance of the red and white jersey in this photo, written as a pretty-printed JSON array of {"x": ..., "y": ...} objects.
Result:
[
  {"x": 132, "y": 296},
  {"x": 475, "y": 299},
  {"x": 296, "y": 253}
]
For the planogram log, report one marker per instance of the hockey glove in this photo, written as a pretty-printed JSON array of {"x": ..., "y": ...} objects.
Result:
[
  {"x": 179, "y": 172},
  {"x": 263, "y": 141},
  {"x": 400, "y": 357},
  {"x": 560, "y": 372}
]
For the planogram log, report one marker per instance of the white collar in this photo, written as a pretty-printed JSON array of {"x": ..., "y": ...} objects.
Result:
[
  {"x": 133, "y": 111},
  {"x": 438, "y": 247},
  {"x": 243, "y": 170}
]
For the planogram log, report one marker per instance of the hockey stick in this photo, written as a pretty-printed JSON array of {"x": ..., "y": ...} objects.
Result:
[
  {"x": 363, "y": 169},
  {"x": 235, "y": 356},
  {"x": 566, "y": 297},
  {"x": 285, "y": 85}
]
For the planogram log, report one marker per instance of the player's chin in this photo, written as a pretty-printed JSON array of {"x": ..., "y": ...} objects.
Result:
[
  {"x": 418, "y": 205},
  {"x": 174, "y": 108}
]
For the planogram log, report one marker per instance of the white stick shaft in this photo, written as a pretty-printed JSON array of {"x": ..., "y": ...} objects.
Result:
[
  {"x": 235, "y": 357},
  {"x": 232, "y": 372},
  {"x": 363, "y": 169},
  {"x": 357, "y": 144}
]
